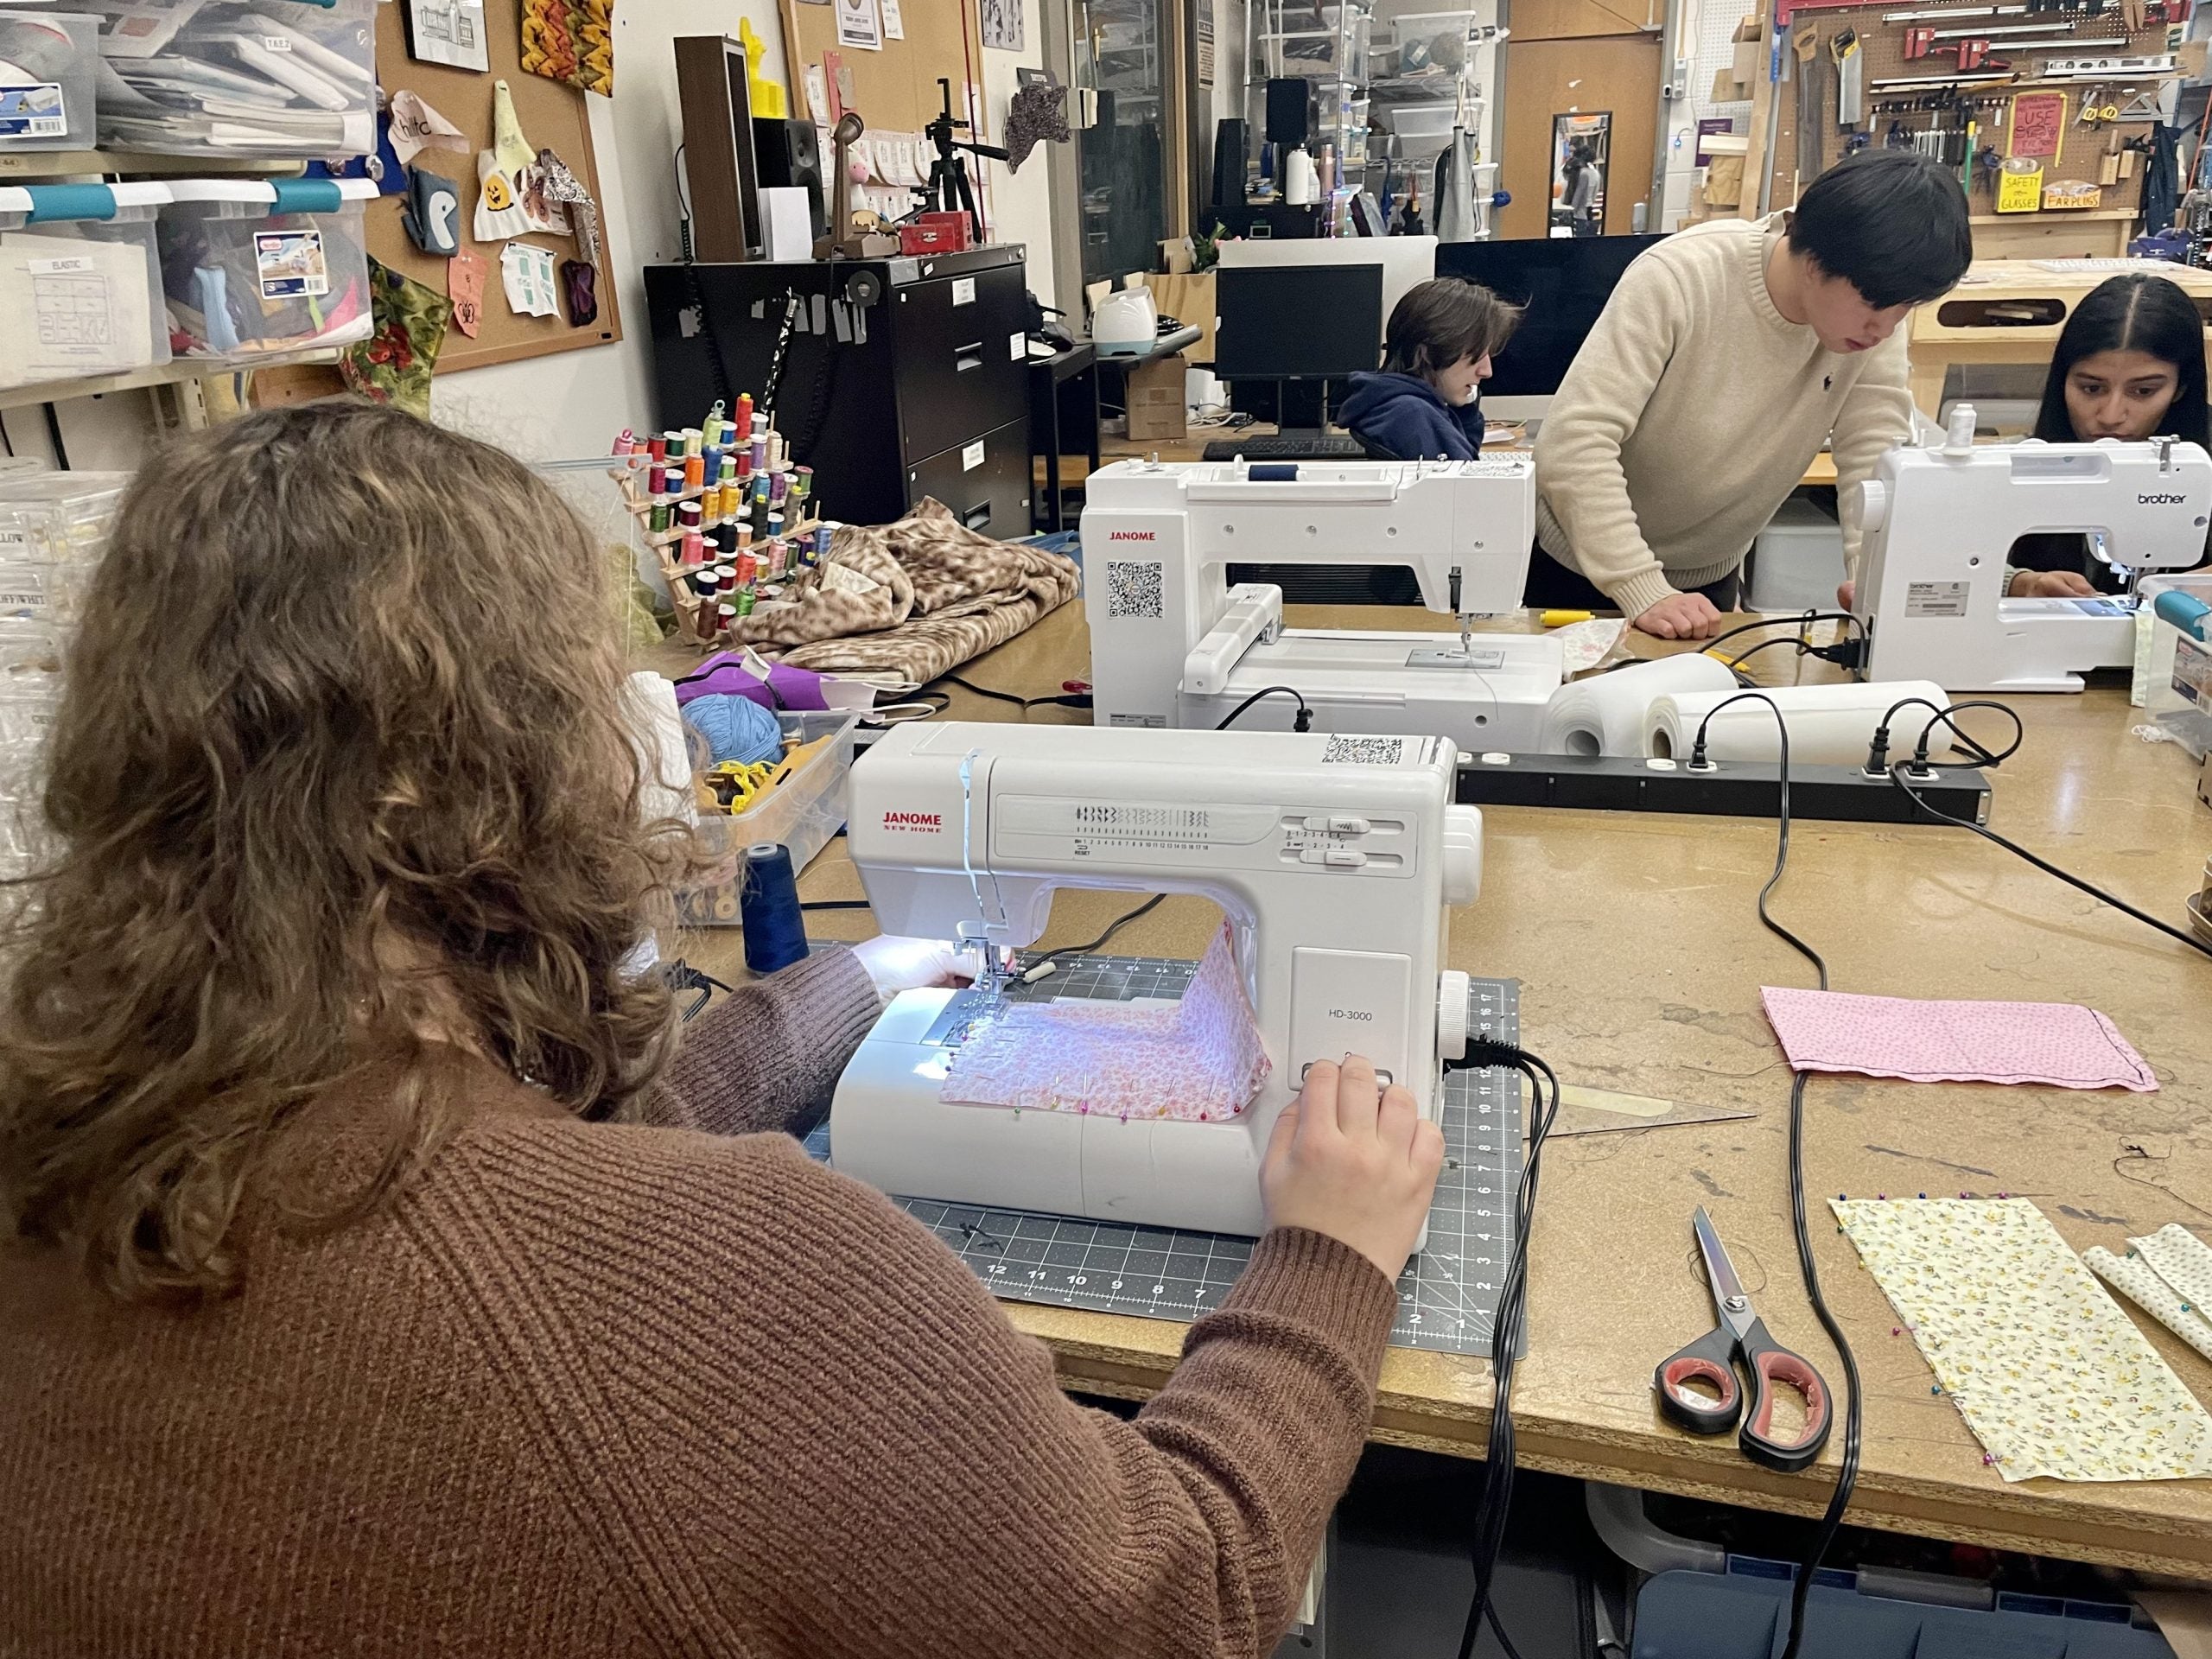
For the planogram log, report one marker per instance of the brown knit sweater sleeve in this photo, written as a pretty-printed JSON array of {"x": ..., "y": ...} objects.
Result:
[
  {"x": 806, "y": 1429},
  {"x": 768, "y": 1053}
]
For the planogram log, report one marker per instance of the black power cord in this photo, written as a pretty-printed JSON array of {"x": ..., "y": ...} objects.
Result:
[
  {"x": 1065, "y": 700},
  {"x": 1848, "y": 1475},
  {"x": 1495, "y": 1506},
  {"x": 1302, "y": 722},
  {"x": 1119, "y": 923}
]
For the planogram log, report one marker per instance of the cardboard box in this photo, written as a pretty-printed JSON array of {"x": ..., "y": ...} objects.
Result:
[
  {"x": 1155, "y": 401},
  {"x": 1726, "y": 89},
  {"x": 1723, "y": 180},
  {"x": 1751, "y": 60},
  {"x": 1750, "y": 27}
]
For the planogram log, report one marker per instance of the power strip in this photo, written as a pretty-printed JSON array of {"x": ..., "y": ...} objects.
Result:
[{"x": 1734, "y": 789}]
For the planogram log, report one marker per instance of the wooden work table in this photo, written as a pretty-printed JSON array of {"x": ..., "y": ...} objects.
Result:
[{"x": 1640, "y": 959}]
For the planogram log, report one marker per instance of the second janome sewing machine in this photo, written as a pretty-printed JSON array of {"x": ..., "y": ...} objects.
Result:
[
  {"x": 1334, "y": 860},
  {"x": 1172, "y": 644},
  {"x": 1940, "y": 520}
]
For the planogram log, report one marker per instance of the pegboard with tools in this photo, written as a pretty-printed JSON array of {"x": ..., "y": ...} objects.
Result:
[
  {"x": 1448, "y": 1296},
  {"x": 1942, "y": 79}
]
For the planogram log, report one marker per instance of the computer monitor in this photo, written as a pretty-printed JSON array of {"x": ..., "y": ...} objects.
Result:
[
  {"x": 1296, "y": 322},
  {"x": 1562, "y": 283}
]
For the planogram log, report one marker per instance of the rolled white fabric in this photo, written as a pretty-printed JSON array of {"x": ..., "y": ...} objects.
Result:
[
  {"x": 657, "y": 728},
  {"x": 1604, "y": 714},
  {"x": 1829, "y": 725}
]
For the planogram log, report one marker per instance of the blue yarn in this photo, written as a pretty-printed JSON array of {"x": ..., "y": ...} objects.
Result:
[{"x": 734, "y": 728}]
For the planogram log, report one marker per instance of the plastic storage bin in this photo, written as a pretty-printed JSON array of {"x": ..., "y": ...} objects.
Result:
[
  {"x": 256, "y": 271},
  {"x": 1797, "y": 561},
  {"x": 2178, "y": 671},
  {"x": 1427, "y": 120},
  {"x": 80, "y": 283},
  {"x": 49, "y": 67},
  {"x": 804, "y": 813},
  {"x": 269, "y": 78}
]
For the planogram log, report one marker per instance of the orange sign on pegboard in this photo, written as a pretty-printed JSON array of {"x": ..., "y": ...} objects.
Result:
[{"x": 2038, "y": 125}]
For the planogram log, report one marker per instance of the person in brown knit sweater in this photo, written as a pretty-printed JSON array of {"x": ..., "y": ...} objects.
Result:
[{"x": 378, "y": 1274}]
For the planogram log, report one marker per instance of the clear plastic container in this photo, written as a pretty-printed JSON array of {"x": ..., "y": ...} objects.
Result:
[
  {"x": 806, "y": 810},
  {"x": 80, "y": 283},
  {"x": 240, "y": 76},
  {"x": 2178, "y": 671},
  {"x": 50, "y": 69},
  {"x": 1419, "y": 120},
  {"x": 53, "y": 530},
  {"x": 259, "y": 271},
  {"x": 30, "y": 694}
]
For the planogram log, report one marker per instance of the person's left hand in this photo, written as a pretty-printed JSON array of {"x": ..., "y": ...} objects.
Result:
[
  {"x": 1845, "y": 592},
  {"x": 900, "y": 965}
]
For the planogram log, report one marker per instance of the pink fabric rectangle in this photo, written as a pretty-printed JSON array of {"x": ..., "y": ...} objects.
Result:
[
  {"x": 2058, "y": 1043},
  {"x": 1199, "y": 1061}
]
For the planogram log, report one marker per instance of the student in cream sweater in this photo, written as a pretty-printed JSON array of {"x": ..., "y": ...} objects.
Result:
[{"x": 1726, "y": 357}]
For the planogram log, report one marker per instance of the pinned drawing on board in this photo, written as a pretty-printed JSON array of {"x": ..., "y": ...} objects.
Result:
[
  {"x": 1001, "y": 25},
  {"x": 571, "y": 41},
  {"x": 465, "y": 283},
  {"x": 500, "y": 173},
  {"x": 416, "y": 127},
  {"x": 450, "y": 32},
  {"x": 431, "y": 213},
  {"x": 860, "y": 23},
  {"x": 526, "y": 272}
]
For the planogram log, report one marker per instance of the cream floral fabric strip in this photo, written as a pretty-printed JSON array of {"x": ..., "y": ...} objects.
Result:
[
  {"x": 2052, "y": 1377},
  {"x": 2132, "y": 1276}
]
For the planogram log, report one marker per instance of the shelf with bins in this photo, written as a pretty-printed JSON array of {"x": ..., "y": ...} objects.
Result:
[{"x": 37, "y": 166}]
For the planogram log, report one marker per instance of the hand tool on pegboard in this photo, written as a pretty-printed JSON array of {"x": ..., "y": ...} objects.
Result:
[
  {"x": 1806, "y": 45},
  {"x": 1850, "y": 78}
]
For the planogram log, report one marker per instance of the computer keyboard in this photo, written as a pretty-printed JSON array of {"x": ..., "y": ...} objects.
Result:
[{"x": 1276, "y": 446}]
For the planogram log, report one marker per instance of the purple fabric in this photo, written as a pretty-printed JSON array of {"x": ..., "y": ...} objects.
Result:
[{"x": 725, "y": 674}]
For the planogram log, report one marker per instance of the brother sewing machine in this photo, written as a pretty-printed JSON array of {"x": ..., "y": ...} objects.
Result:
[
  {"x": 1173, "y": 645},
  {"x": 1334, "y": 859},
  {"x": 1939, "y": 521}
]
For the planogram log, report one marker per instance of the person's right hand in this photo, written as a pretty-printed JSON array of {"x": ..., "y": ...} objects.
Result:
[
  {"x": 1845, "y": 592},
  {"x": 2051, "y": 584},
  {"x": 1681, "y": 616},
  {"x": 1351, "y": 1163}
]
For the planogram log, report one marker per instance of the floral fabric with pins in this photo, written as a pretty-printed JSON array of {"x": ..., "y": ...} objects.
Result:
[
  {"x": 2050, "y": 1374},
  {"x": 2168, "y": 1276},
  {"x": 1201, "y": 1061}
]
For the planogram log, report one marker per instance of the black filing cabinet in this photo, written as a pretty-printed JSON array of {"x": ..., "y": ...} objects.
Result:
[{"x": 902, "y": 378}]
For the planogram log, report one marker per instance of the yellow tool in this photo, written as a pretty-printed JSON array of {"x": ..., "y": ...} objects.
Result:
[{"x": 1561, "y": 619}]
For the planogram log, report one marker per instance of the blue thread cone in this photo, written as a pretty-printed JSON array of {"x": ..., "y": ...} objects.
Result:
[{"x": 767, "y": 908}]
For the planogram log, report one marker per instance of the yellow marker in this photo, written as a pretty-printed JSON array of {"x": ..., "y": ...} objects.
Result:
[{"x": 1560, "y": 619}]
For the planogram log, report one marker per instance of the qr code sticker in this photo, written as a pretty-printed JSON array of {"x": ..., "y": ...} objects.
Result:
[
  {"x": 1134, "y": 590},
  {"x": 1365, "y": 751}
]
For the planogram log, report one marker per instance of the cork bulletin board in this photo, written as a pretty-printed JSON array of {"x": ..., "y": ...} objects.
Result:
[
  {"x": 2079, "y": 150},
  {"x": 895, "y": 89},
  {"x": 554, "y": 117}
]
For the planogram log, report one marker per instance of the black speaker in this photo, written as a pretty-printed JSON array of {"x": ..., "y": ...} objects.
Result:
[
  {"x": 1231, "y": 140},
  {"x": 1290, "y": 101},
  {"x": 789, "y": 153}
]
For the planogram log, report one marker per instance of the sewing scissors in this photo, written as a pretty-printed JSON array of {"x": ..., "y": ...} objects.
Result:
[{"x": 1740, "y": 1337}]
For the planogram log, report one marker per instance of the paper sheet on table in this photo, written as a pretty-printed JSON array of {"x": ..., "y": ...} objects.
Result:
[
  {"x": 2168, "y": 1276},
  {"x": 1199, "y": 1060},
  {"x": 2057, "y": 1043},
  {"x": 2048, "y": 1373},
  {"x": 74, "y": 306}
]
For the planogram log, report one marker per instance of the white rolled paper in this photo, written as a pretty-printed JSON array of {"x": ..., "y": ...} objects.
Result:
[
  {"x": 1829, "y": 725},
  {"x": 1604, "y": 714}
]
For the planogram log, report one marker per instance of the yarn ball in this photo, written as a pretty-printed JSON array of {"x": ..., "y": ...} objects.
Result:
[{"x": 734, "y": 728}]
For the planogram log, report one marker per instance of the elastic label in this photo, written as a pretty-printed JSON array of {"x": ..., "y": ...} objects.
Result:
[{"x": 68, "y": 265}]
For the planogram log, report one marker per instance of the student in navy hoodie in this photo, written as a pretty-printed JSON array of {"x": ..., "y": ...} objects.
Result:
[{"x": 1425, "y": 404}]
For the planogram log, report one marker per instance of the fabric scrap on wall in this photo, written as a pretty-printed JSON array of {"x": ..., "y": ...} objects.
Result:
[
  {"x": 1038, "y": 114},
  {"x": 566, "y": 192},
  {"x": 1201, "y": 1061},
  {"x": 571, "y": 41},
  {"x": 465, "y": 283},
  {"x": 393, "y": 364},
  {"x": 936, "y": 594},
  {"x": 416, "y": 127},
  {"x": 2052, "y": 1376},
  {"x": 502, "y": 173}
]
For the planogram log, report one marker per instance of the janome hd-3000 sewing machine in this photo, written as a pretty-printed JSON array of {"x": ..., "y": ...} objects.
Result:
[
  {"x": 1940, "y": 520},
  {"x": 1173, "y": 645},
  {"x": 1334, "y": 860}
]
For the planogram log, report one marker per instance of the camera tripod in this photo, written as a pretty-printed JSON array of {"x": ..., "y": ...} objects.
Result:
[{"x": 948, "y": 190}]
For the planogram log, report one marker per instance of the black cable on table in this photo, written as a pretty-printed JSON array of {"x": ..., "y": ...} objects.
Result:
[
  {"x": 1301, "y": 721},
  {"x": 1062, "y": 699},
  {"x": 1119, "y": 923},
  {"x": 1848, "y": 1474}
]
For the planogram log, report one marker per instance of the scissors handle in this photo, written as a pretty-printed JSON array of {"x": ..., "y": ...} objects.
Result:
[
  {"x": 1707, "y": 1360},
  {"x": 1770, "y": 1363}
]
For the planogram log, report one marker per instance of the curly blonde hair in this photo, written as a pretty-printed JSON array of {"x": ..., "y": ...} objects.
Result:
[{"x": 343, "y": 756}]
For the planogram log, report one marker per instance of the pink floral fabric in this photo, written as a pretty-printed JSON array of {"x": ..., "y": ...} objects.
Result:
[
  {"x": 1199, "y": 1061},
  {"x": 1955, "y": 1042}
]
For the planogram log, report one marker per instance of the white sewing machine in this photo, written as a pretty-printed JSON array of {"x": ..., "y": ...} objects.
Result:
[
  {"x": 1334, "y": 860},
  {"x": 1939, "y": 521},
  {"x": 1173, "y": 645}
]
